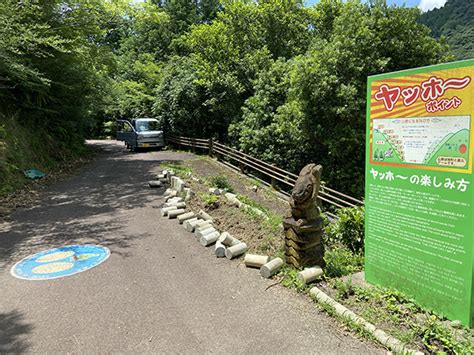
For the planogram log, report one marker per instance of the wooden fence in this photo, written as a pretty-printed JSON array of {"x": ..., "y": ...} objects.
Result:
[{"x": 279, "y": 178}]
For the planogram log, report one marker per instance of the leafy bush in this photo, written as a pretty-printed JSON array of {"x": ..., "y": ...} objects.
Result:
[
  {"x": 348, "y": 229},
  {"x": 340, "y": 261},
  {"x": 221, "y": 182}
]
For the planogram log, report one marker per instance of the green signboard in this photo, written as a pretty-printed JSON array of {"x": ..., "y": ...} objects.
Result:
[{"x": 419, "y": 186}]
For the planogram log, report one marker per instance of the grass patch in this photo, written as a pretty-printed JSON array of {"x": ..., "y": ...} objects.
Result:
[{"x": 178, "y": 168}]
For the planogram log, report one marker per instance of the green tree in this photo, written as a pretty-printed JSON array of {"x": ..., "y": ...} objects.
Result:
[{"x": 326, "y": 90}]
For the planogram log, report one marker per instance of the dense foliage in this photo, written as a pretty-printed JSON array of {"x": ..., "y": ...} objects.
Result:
[
  {"x": 455, "y": 22},
  {"x": 274, "y": 78},
  {"x": 54, "y": 70}
]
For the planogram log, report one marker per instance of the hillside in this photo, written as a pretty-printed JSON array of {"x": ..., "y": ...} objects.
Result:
[{"x": 455, "y": 21}]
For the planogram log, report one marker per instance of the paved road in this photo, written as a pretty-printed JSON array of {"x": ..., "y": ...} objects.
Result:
[{"x": 160, "y": 290}]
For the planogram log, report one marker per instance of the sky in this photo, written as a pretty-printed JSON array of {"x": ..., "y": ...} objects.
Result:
[{"x": 424, "y": 5}]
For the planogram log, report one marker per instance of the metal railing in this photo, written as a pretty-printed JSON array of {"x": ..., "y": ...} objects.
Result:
[{"x": 280, "y": 179}]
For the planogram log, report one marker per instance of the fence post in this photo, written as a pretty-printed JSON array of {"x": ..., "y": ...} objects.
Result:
[
  {"x": 210, "y": 147},
  {"x": 274, "y": 184},
  {"x": 242, "y": 167}
]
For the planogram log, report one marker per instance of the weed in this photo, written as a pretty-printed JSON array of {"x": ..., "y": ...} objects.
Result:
[
  {"x": 248, "y": 201},
  {"x": 179, "y": 169},
  {"x": 436, "y": 337},
  {"x": 291, "y": 280},
  {"x": 209, "y": 200},
  {"x": 344, "y": 288},
  {"x": 340, "y": 261},
  {"x": 221, "y": 182}
]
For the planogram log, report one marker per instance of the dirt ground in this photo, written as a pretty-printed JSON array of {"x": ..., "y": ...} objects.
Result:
[
  {"x": 254, "y": 230},
  {"x": 206, "y": 168},
  {"x": 29, "y": 194}
]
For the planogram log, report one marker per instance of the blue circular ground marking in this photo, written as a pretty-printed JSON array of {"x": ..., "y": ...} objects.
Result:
[{"x": 60, "y": 262}]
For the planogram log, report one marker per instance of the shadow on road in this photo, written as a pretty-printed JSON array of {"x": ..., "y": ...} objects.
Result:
[
  {"x": 88, "y": 208},
  {"x": 14, "y": 331}
]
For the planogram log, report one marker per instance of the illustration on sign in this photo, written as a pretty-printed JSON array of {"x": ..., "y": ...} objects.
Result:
[
  {"x": 437, "y": 143},
  {"x": 60, "y": 262},
  {"x": 419, "y": 230}
]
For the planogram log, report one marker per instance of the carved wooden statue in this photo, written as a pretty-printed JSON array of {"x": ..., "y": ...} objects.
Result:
[{"x": 304, "y": 224}]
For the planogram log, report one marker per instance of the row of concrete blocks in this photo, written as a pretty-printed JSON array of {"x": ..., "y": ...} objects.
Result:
[
  {"x": 226, "y": 245},
  {"x": 161, "y": 180},
  {"x": 201, "y": 224}
]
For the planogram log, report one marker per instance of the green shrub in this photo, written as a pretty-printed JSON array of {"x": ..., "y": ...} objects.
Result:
[
  {"x": 221, "y": 182},
  {"x": 340, "y": 261},
  {"x": 348, "y": 229}
]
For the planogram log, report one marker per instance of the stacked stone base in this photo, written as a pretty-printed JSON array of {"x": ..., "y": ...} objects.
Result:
[{"x": 304, "y": 242}]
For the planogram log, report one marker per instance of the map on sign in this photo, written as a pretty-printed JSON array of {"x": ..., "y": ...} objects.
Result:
[{"x": 426, "y": 141}]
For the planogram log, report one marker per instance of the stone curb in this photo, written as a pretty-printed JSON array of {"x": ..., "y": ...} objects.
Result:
[{"x": 382, "y": 337}]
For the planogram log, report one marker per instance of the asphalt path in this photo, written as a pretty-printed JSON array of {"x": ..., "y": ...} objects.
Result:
[{"x": 160, "y": 291}]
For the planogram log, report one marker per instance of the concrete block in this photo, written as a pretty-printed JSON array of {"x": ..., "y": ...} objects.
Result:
[
  {"x": 186, "y": 222},
  {"x": 180, "y": 185},
  {"x": 169, "y": 176},
  {"x": 203, "y": 232},
  {"x": 190, "y": 225},
  {"x": 228, "y": 240},
  {"x": 165, "y": 210},
  {"x": 164, "y": 173},
  {"x": 271, "y": 268},
  {"x": 161, "y": 176},
  {"x": 175, "y": 213},
  {"x": 174, "y": 180},
  {"x": 176, "y": 204},
  {"x": 204, "y": 215},
  {"x": 175, "y": 199},
  {"x": 168, "y": 192},
  {"x": 202, "y": 225},
  {"x": 310, "y": 274},
  {"x": 236, "y": 250},
  {"x": 170, "y": 196},
  {"x": 209, "y": 239},
  {"x": 219, "y": 249},
  {"x": 155, "y": 183},
  {"x": 185, "y": 216},
  {"x": 233, "y": 200},
  {"x": 252, "y": 260}
]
